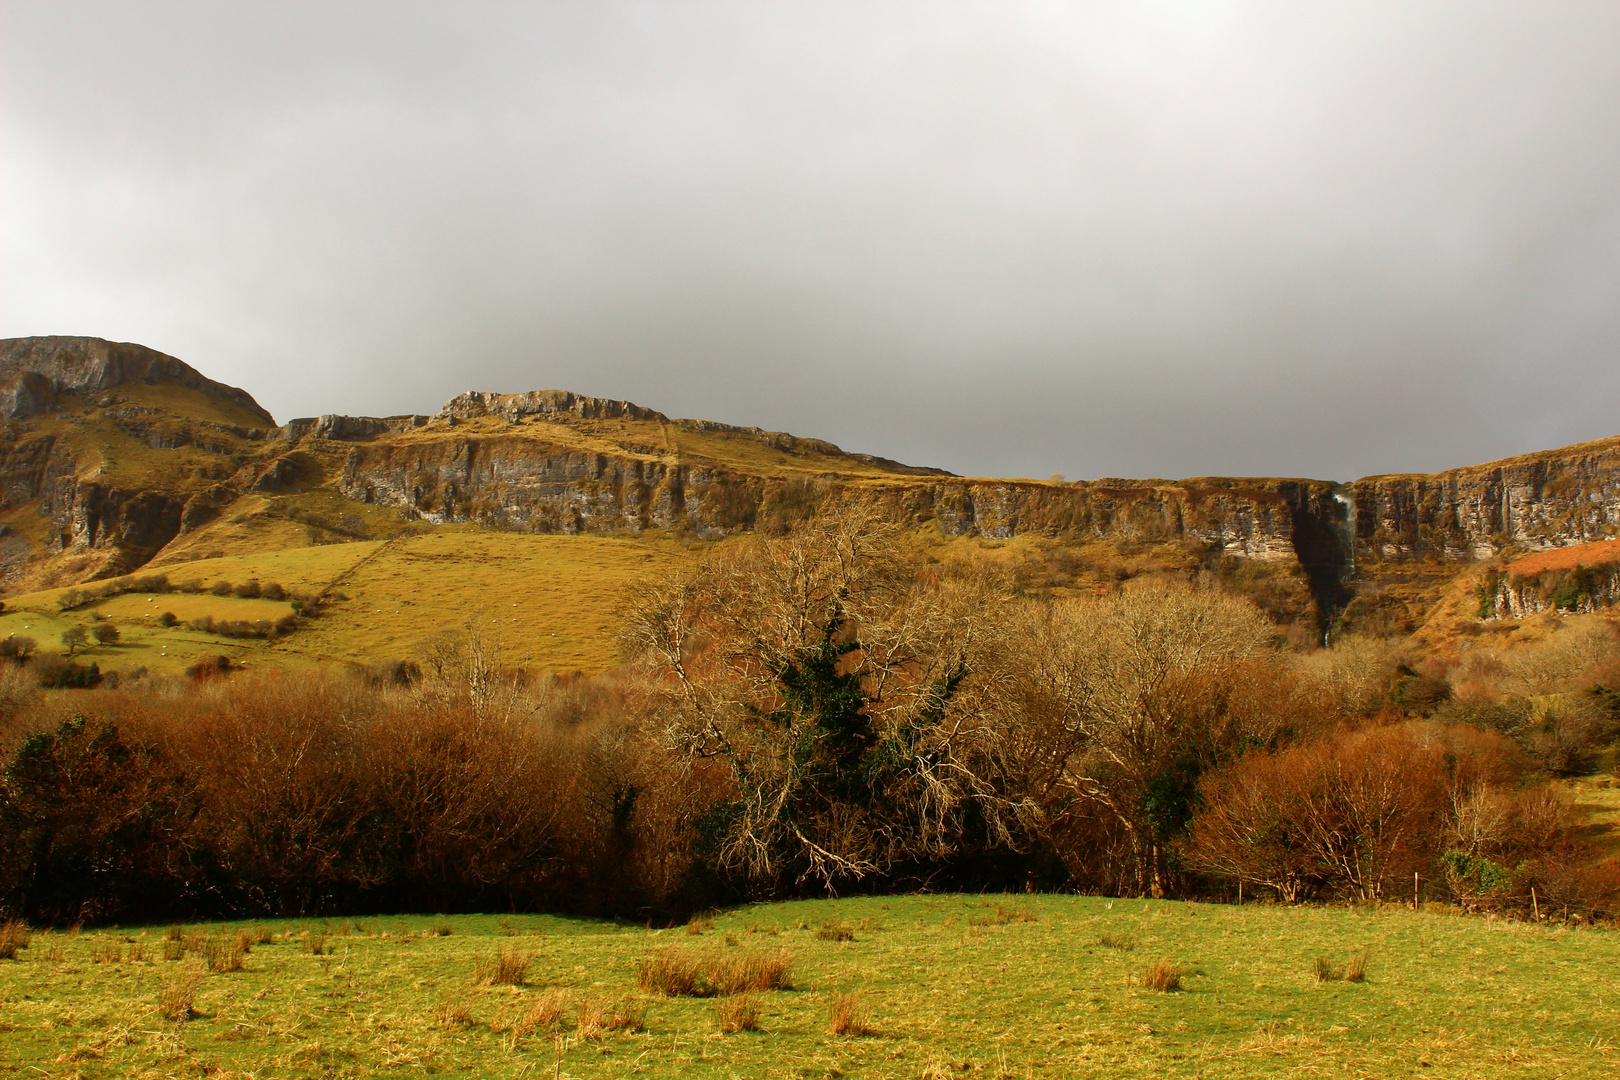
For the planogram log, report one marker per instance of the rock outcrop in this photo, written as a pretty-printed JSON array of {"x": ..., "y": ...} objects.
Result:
[
  {"x": 1534, "y": 502},
  {"x": 554, "y": 461},
  {"x": 35, "y": 369}
]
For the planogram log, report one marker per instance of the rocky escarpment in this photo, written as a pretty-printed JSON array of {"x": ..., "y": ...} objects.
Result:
[
  {"x": 554, "y": 461},
  {"x": 34, "y": 370},
  {"x": 1533, "y": 502},
  {"x": 80, "y": 416}
]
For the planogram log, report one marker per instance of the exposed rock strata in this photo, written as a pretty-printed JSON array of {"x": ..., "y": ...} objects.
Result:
[
  {"x": 34, "y": 369},
  {"x": 1537, "y": 501}
]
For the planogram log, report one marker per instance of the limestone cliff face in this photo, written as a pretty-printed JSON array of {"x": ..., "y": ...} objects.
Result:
[
  {"x": 1537, "y": 501},
  {"x": 34, "y": 369},
  {"x": 76, "y": 443}
]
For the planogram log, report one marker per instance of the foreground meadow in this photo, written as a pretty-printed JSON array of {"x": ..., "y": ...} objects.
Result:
[{"x": 944, "y": 986}]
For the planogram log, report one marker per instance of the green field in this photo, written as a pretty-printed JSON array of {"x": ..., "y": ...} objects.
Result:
[{"x": 953, "y": 986}]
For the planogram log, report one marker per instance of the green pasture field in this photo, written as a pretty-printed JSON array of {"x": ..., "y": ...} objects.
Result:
[{"x": 998, "y": 986}]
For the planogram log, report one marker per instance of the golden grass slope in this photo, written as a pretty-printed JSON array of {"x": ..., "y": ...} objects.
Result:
[{"x": 552, "y": 601}]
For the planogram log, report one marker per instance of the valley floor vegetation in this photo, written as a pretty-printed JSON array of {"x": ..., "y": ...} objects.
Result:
[
  {"x": 906, "y": 986},
  {"x": 830, "y": 712}
]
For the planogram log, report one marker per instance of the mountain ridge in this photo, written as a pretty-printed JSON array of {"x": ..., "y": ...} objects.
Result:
[{"x": 113, "y": 454}]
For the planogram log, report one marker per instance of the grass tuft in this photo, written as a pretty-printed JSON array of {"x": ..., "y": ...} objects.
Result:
[
  {"x": 1002, "y": 917},
  {"x": 14, "y": 935},
  {"x": 740, "y": 1012},
  {"x": 835, "y": 931},
  {"x": 177, "y": 997},
  {"x": 548, "y": 1012},
  {"x": 1356, "y": 970},
  {"x": 504, "y": 967},
  {"x": 315, "y": 944},
  {"x": 221, "y": 956},
  {"x": 453, "y": 1014},
  {"x": 1162, "y": 976},
  {"x": 1121, "y": 942},
  {"x": 847, "y": 1015},
  {"x": 678, "y": 972},
  {"x": 599, "y": 1015}
]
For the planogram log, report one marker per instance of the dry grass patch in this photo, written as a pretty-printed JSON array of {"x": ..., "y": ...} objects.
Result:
[
  {"x": 678, "y": 972},
  {"x": 739, "y": 1012},
  {"x": 14, "y": 935},
  {"x": 547, "y": 1012},
  {"x": 600, "y": 1015},
  {"x": 315, "y": 944},
  {"x": 221, "y": 956},
  {"x": 1121, "y": 942},
  {"x": 1002, "y": 917},
  {"x": 835, "y": 931},
  {"x": 1354, "y": 971},
  {"x": 847, "y": 1015},
  {"x": 453, "y": 1014},
  {"x": 177, "y": 997},
  {"x": 107, "y": 952},
  {"x": 504, "y": 967},
  {"x": 1162, "y": 976}
]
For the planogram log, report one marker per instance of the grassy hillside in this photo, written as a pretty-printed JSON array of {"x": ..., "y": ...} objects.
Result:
[
  {"x": 551, "y": 600},
  {"x": 951, "y": 985}
]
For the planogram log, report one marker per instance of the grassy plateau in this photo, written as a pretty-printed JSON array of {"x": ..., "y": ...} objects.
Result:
[{"x": 921, "y": 986}]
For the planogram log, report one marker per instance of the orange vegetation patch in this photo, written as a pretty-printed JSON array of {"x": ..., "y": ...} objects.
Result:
[{"x": 1597, "y": 553}]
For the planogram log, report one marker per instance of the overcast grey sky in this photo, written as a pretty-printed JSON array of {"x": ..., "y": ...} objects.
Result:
[{"x": 1155, "y": 239}]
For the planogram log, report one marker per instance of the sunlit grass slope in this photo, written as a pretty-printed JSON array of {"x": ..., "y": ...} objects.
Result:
[
  {"x": 551, "y": 602},
  {"x": 953, "y": 986}
]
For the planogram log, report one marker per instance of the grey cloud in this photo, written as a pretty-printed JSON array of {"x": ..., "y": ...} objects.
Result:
[{"x": 1006, "y": 239}]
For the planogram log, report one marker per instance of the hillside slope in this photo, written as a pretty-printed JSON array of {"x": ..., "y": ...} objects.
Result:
[{"x": 115, "y": 457}]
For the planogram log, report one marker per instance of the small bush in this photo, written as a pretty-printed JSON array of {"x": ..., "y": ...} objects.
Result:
[
  {"x": 220, "y": 588},
  {"x": 737, "y": 1013},
  {"x": 106, "y": 633},
  {"x": 506, "y": 967},
  {"x": 212, "y": 668},
  {"x": 248, "y": 590},
  {"x": 55, "y": 672},
  {"x": 1161, "y": 975},
  {"x": 167, "y": 619},
  {"x": 177, "y": 997},
  {"x": 847, "y": 1015},
  {"x": 272, "y": 590},
  {"x": 18, "y": 648}
]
